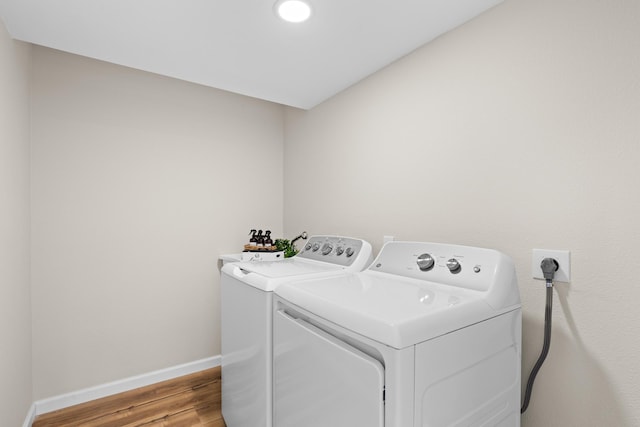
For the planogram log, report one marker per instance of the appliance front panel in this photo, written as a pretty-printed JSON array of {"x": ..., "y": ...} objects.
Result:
[{"x": 320, "y": 381}]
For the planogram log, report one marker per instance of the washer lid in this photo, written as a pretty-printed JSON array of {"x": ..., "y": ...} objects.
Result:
[
  {"x": 267, "y": 275},
  {"x": 286, "y": 267},
  {"x": 394, "y": 310}
]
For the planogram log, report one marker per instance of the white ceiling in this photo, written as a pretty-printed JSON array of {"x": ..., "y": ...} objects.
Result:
[{"x": 240, "y": 45}]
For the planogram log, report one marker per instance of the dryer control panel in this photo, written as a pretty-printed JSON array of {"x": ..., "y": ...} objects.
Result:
[
  {"x": 478, "y": 269},
  {"x": 339, "y": 250}
]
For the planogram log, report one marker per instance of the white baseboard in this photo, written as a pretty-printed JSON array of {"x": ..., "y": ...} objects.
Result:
[
  {"x": 31, "y": 415},
  {"x": 85, "y": 395}
]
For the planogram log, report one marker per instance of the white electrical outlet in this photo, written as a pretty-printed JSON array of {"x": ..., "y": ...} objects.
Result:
[{"x": 564, "y": 260}]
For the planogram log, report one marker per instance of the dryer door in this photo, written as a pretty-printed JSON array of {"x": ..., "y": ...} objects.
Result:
[{"x": 320, "y": 381}]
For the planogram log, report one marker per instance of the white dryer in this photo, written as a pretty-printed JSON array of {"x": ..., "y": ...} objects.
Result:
[
  {"x": 247, "y": 316},
  {"x": 428, "y": 335}
]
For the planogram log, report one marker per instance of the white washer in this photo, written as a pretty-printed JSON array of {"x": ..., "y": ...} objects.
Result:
[
  {"x": 428, "y": 335},
  {"x": 246, "y": 307}
]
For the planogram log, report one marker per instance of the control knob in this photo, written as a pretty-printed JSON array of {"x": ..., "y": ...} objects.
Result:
[
  {"x": 315, "y": 246},
  {"x": 349, "y": 252},
  {"x": 339, "y": 250},
  {"x": 326, "y": 249},
  {"x": 453, "y": 265},
  {"x": 307, "y": 246},
  {"x": 425, "y": 262}
]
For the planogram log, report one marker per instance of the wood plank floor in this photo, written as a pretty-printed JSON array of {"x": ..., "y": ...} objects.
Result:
[{"x": 188, "y": 401}]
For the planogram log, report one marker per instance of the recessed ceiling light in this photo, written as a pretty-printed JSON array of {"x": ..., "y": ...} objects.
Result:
[{"x": 293, "y": 10}]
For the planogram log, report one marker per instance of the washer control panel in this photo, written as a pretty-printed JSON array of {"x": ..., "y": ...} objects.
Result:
[{"x": 334, "y": 249}]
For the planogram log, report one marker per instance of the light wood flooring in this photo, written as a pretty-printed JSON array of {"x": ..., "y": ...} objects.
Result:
[{"x": 188, "y": 401}]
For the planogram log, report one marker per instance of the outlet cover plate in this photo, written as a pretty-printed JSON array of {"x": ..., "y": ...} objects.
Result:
[{"x": 564, "y": 259}]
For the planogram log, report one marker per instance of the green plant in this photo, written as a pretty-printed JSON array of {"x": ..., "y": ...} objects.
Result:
[{"x": 286, "y": 246}]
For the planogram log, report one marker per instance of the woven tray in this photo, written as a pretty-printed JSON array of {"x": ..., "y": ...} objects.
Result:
[{"x": 251, "y": 248}]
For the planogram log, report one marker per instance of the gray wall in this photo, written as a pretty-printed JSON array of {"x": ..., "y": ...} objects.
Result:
[
  {"x": 139, "y": 183},
  {"x": 519, "y": 130},
  {"x": 15, "y": 306}
]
